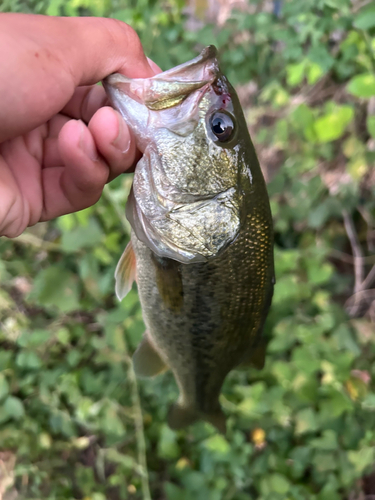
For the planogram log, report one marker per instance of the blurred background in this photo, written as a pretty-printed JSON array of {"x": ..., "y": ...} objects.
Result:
[{"x": 74, "y": 422}]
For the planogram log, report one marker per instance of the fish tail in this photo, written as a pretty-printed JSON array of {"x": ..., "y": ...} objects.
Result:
[{"x": 180, "y": 416}]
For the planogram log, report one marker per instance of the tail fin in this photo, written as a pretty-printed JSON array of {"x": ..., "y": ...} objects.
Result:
[{"x": 181, "y": 416}]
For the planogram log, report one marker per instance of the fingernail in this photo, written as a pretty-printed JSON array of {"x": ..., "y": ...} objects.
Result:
[
  {"x": 86, "y": 143},
  {"x": 154, "y": 67},
  {"x": 122, "y": 141}
]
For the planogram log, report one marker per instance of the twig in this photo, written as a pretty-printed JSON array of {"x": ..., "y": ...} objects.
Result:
[
  {"x": 357, "y": 251},
  {"x": 31, "y": 239},
  {"x": 370, "y": 223},
  {"x": 361, "y": 284},
  {"x": 345, "y": 257},
  {"x": 138, "y": 424},
  {"x": 366, "y": 216},
  {"x": 369, "y": 279},
  {"x": 359, "y": 5},
  {"x": 358, "y": 298}
]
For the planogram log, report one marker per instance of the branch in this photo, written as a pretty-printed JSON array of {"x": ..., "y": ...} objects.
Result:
[
  {"x": 359, "y": 5},
  {"x": 357, "y": 251},
  {"x": 138, "y": 424},
  {"x": 369, "y": 279},
  {"x": 30, "y": 239}
]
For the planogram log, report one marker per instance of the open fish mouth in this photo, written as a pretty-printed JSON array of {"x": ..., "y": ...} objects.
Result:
[
  {"x": 168, "y": 100},
  {"x": 171, "y": 87}
]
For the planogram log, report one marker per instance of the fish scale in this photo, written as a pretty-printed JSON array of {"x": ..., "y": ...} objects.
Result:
[{"x": 202, "y": 239}]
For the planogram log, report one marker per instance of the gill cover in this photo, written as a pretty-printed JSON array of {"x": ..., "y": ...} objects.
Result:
[{"x": 170, "y": 217}]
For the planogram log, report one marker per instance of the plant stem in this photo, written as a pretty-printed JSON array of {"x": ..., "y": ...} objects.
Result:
[{"x": 138, "y": 424}]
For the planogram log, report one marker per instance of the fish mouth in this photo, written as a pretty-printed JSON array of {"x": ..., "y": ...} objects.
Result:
[{"x": 170, "y": 88}]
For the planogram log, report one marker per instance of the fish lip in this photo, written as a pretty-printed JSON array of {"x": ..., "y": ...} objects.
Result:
[
  {"x": 208, "y": 58},
  {"x": 199, "y": 72},
  {"x": 209, "y": 53}
]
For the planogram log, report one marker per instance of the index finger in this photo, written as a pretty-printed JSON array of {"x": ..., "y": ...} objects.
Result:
[{"x": 44, "y": 59}]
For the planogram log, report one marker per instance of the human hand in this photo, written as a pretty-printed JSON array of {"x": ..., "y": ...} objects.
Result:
[{"x": 59, "y": 143}]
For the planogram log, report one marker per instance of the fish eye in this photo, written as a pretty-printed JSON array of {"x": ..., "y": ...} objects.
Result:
[{"x": 222, "y": 125}]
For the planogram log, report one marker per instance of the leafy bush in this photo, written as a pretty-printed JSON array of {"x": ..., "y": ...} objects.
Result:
[{"x": 302, "y": 428}]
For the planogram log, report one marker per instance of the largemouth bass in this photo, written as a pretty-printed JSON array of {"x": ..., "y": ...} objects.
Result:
[{"x": 201, "y": 247}]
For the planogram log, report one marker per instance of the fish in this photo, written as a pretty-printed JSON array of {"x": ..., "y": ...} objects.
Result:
[{"x": 201, "y": 246}]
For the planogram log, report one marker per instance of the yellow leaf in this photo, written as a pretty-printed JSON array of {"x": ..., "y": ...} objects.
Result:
[{"x": 258, "y": 437}]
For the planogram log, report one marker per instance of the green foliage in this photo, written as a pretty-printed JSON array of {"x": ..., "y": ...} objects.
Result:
[
  {"x": 362, "y": 85},
  {"x": 302, "y": 428}
]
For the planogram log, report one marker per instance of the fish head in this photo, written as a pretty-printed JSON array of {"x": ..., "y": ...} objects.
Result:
[{"x": 188, "y": 123}]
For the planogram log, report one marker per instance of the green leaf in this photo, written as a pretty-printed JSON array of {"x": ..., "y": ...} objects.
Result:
[
  {"x": 336, "y": 405},
  {"x": 29, "y": 360},
  {"x": 54, "y": 7},
  {"x": 328, "y": 441},
  {"x": 295, "y": 73},
  {"x": 217, "y": 444},
  {"x": 369, "y": 402},
  {"x": 319, "y": 54},
  {"x": 301, "y": 459},
  {"x": 168, "y": 447},
  {"x": 83, "y": 236},
  {"x": 306, "y": 421},
  {"x": 194, "y": 480},
  {"x": 362, "y": 459},
  {"x": 322, "y": 212},
  {"x": 319, "y": 274},
  {"x": 324, "y": 462},
  {"x": 126, "y": 461},
  {"x": 306, "y": 359},
  {"x": 61, "y": 422},
  {"x": 56, "y": 287},
  {"x": 362, "y": 85},
  {"x": 13, "y": 408},
  {"x": 332, "y": 125},
  {"x": 370, "y": 122},
  {"x": 173, "y": 492},
  {"x": 365, "y": 19},
  {"x": 275, "y": 483},
  {"x": 279, "y": 484},
  {"x": 314, "y": 72},
  {"x": 36, "y": 338},
  {"x": 4, "y": 386},
  {"x": 63, "y": 336}
]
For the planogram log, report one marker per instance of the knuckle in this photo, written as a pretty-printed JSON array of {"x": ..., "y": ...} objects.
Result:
[
  {"x": 123, "y": 34},
  {"x": 13, "y": 217}
]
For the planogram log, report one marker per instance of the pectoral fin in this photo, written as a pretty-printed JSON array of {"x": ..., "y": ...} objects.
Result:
[
  {"x": 255, "y": 357},
  {"x": 125, "y": 272},
  {"x": 146, "y": 361}
]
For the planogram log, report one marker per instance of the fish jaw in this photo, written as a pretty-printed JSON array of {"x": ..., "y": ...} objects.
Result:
[
  {"x": 133, "y": 112},
  {"x": 176, "y": 92},
  {"x": 174, "y": 83}
]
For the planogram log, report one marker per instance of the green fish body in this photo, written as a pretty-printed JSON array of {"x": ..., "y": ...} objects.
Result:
[{"x": 201, "y": 247}]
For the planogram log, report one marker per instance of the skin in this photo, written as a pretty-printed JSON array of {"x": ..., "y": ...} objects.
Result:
[{"x": 59, "y": 142}]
